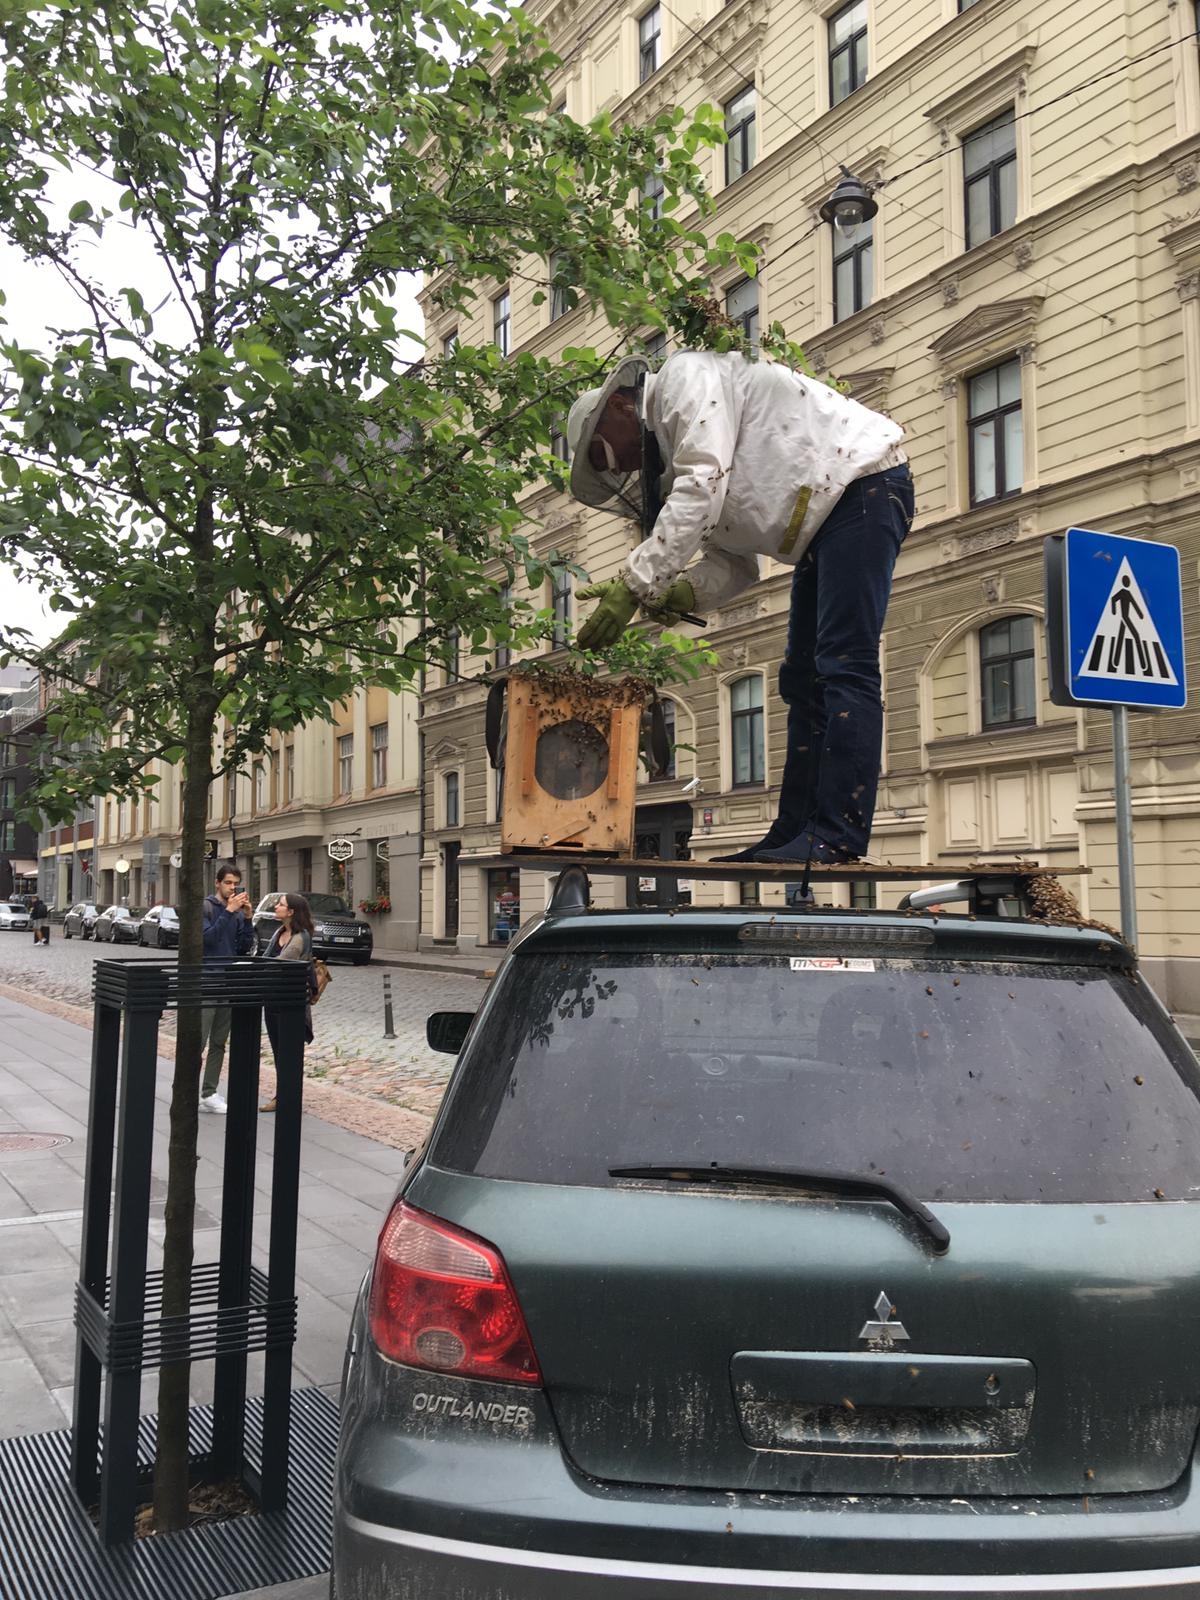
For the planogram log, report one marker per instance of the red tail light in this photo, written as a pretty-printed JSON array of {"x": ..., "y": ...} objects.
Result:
[{"x": 442, "y": 1299}]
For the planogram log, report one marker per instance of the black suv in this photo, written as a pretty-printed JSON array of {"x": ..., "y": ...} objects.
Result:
[
  {"x": 814, "y": 1251},
  {"x": 338, "y": 931}
]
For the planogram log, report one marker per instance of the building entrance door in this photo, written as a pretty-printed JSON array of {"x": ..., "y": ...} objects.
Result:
[
  {"x": 450, "y": 855},
  {"x": 661, "y": 833}
]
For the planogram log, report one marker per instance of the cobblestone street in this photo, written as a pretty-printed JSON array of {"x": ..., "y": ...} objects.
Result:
[{"x": 348, "y": 1049}]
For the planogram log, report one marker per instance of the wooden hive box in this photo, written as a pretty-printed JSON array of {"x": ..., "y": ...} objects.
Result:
[{"x": 569, "y": 752}]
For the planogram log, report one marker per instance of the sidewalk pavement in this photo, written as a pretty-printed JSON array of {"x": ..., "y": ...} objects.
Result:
[
  {"x": 480, "y": 963},
  {"x": 347, "y": 1181}
]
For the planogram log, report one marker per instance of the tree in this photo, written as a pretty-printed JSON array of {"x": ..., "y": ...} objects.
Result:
[{"x": 225, "y": 474}]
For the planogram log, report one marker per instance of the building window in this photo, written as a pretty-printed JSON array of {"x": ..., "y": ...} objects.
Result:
[
  {"x": 990, "y": 177},
  {"x": 746, "y": 720},
  {"x": 994, "y": 432},
  {"x": 450, "y": 790},
  {"x": 656, "y": 347},
  {"x": 563, "y": 295},
  {"x": 847, "y": 50},
  {"x": 289, "y": 772},
  {"x": 862, "y": 895},
  {"x": 668, "y": 710},
  {"x": 306, "y": 859},
  {"x": 653, "y": 189},
  {"x": 649, "y": 43},
  {"x": 853, "y": 269},
  {"x": 230, "y": 796},
  {"x": 739, "y": 134},
  {"x": 504, "y": 904},
  {"x": 345, "y": 761},
  {"x": 558, "y": 445},
  {"x": 502, "y": 322},
  {"x": 1007, "y": 673},
  {"x": 379, "y": 753},
  {"x": 560, "y": 606},
  {"x": 450, "y": 654},
  {"x": 260, "y": 786},
  {"x": 450, "y": 343},
  {"x": 504, "y": 651},
  {"x": 741, "y": 307},
  {"x": 8, "y": 835}
]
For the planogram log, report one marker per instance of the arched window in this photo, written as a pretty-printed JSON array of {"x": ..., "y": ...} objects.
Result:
[
  {"x": 746, "y": 728},
  {"x": 1007, "y": 673}
]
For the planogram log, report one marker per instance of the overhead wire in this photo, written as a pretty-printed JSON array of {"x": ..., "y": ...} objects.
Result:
[{"x": 940, "y": 222}]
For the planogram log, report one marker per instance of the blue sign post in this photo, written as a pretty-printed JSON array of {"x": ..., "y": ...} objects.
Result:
[{"x": 1114, "y": 629}]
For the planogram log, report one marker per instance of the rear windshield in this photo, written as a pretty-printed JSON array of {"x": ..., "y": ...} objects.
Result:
[{"x": 972, "y": 1082}]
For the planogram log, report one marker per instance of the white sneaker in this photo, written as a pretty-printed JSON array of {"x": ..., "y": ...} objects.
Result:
[{"x": 214, "y": 1103}]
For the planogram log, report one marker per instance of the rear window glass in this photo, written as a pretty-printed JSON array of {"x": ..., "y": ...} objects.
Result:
[{"x": 972, "y": 1082}]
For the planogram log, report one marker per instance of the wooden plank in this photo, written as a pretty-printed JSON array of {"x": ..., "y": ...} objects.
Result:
[{"x": 766, "y": 871}]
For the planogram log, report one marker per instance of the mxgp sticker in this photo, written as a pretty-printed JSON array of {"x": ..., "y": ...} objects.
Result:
[{"x": 832, "y": 964}]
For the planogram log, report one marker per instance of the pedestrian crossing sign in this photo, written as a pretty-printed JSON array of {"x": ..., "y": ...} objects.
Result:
[{"x": 1122, "y": 607}]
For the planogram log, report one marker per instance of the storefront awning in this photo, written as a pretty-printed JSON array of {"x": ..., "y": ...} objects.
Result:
[{"x": 24, "y": 869}]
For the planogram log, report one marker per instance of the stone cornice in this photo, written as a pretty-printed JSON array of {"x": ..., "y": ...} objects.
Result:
[
  {"x": 971, "y": 100},
  {"x": 986, "y": 330}
]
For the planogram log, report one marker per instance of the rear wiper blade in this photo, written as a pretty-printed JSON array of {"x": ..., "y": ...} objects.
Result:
[{"x": 854, "y": 1184}]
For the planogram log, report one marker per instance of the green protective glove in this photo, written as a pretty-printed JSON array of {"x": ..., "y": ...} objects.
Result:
[
  {"x": 610, "y": 618},
  {"x": 669, "y": 610}
]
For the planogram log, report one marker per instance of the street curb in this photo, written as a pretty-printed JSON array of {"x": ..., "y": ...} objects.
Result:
[{"x": 342, "y": 1108}]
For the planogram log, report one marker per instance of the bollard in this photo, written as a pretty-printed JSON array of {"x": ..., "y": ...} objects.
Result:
[{"x": 389, "y": 1026}]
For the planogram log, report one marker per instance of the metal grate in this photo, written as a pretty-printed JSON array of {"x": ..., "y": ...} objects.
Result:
[
  {"x": 263, "y": 1324},
  {"x": 49, "y": 1548}
]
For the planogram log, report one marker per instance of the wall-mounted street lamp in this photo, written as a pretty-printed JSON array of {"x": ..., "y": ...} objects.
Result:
[{"x": 850, "y": 203}]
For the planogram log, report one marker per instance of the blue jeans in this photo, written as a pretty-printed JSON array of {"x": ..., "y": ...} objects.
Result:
[{"x": 829, "y": 679}]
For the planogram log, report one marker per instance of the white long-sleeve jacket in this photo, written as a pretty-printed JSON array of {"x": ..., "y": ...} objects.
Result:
[{"x": 755, "y": 457}]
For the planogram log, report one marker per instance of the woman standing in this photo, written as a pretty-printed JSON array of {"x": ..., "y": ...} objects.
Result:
[{"x": 291, "y": 941}]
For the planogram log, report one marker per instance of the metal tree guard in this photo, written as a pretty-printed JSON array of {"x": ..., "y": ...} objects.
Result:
[{"x": 235, "y": 1308}]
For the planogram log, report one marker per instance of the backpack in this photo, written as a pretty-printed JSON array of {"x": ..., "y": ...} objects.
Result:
[{"x": 319, "y": 979}]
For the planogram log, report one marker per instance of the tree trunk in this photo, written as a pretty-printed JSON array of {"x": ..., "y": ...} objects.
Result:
[{"x": 171, "y": 1449}]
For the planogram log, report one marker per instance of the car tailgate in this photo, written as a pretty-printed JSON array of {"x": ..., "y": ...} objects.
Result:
[{"x": 764, "y": 1341}]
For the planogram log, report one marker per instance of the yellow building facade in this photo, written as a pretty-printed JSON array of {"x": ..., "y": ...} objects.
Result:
[{"x": 1026, "y": 303}]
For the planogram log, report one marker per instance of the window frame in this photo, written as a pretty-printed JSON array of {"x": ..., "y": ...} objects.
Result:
[
  {"x": 649, "y": 45},
  {"x": 741, "y": 135},
  {"x": 561, "y": 607},
  {"x": 996, "y": 418},
  {"x": 854, "y": 253},
  {"x": 449, "y": 344},
  {"x": 452, "y": 785},
  {"x": 345, "y": 763},
  {"x": 502, "y": 322},
  {"x": 754, "y": 716},
  {"x": 748, "y": 322},
  {"x": 654, "y": 189},
  {"x": 379, "y": 755},
  {"x": 289, "y": 772},
  {"x": 1010, "y": 657},
  {"x": 848, "y": 46},
  {"x": 563, "y": 297},
  {"x": 990, "y": 173},
  {"x": 503, "y": 652}
]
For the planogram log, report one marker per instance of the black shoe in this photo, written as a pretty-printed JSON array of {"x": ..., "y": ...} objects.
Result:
[
  {"x": 775, "y": 836},
  {"x": 806, "y": 847}
]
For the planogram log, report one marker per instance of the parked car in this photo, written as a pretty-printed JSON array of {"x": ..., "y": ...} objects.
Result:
[
  {"x": 814, "y": 1251},
  {"x": 13, "y": 915},
  {"x": 339, "y": 932},
  {"x": 160, "y": 927},
  {"x": 80, "y": 920},
  {"x": 119, "y": 924}
]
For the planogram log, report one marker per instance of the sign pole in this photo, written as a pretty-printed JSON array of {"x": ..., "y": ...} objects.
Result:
[{"x": 1124, "y": 815}]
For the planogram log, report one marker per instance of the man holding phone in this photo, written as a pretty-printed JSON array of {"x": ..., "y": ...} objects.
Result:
[{"x": 228, "y": 933}]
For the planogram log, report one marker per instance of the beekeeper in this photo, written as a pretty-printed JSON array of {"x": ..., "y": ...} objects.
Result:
[{"x": 749, "y": 459}]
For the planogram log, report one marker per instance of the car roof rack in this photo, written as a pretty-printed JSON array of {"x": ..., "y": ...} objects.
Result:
[{"x": 981, "y": 889}]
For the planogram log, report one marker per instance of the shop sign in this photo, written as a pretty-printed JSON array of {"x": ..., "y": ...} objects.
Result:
[{"x": 340, "y": 849}]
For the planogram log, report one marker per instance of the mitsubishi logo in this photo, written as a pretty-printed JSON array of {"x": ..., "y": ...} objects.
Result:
[{"x": 883, "y": 1330}]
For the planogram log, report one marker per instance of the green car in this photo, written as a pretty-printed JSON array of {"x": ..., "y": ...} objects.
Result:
[{"x": 811, "y": 1251}]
